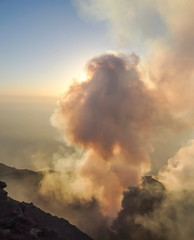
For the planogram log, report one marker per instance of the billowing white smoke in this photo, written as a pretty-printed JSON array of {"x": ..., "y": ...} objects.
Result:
[
  {"x": 163, "y": 30},
  {"x": 112, "y": 116},
  {"x": 126, "y": 109},
  {"x": 173, "y": 219}
]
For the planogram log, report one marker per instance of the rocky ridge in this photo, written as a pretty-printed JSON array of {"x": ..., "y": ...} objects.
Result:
[{"x": 20, "y": 220}]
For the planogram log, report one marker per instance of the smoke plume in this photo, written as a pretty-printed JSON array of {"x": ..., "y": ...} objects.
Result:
[
  {"x": 162, "y": 30},
  {"x": 130, "y": 113},
  {"x": 112, "y": 116}
]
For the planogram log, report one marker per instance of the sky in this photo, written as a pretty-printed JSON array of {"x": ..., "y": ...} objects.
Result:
[{"x": 44, "y": 45}]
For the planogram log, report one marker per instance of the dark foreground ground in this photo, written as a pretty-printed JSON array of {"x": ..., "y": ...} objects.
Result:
[{"x": 24, "y": 221}]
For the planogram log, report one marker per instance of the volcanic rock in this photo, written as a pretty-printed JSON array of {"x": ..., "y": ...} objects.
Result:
[{"x": 20, "y": 220}]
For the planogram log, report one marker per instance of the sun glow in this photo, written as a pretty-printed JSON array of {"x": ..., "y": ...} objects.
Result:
[{"x": 82, "y": 77}]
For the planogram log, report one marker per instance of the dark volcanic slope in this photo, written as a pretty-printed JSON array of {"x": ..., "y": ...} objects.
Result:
[{"x": 19, "y": 221}]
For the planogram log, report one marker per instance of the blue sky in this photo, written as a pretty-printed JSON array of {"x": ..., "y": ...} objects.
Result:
[{"x": 44, "y": 44}]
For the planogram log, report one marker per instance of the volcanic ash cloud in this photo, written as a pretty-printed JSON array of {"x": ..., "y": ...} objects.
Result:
[{"x": 111, "y": 116}]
